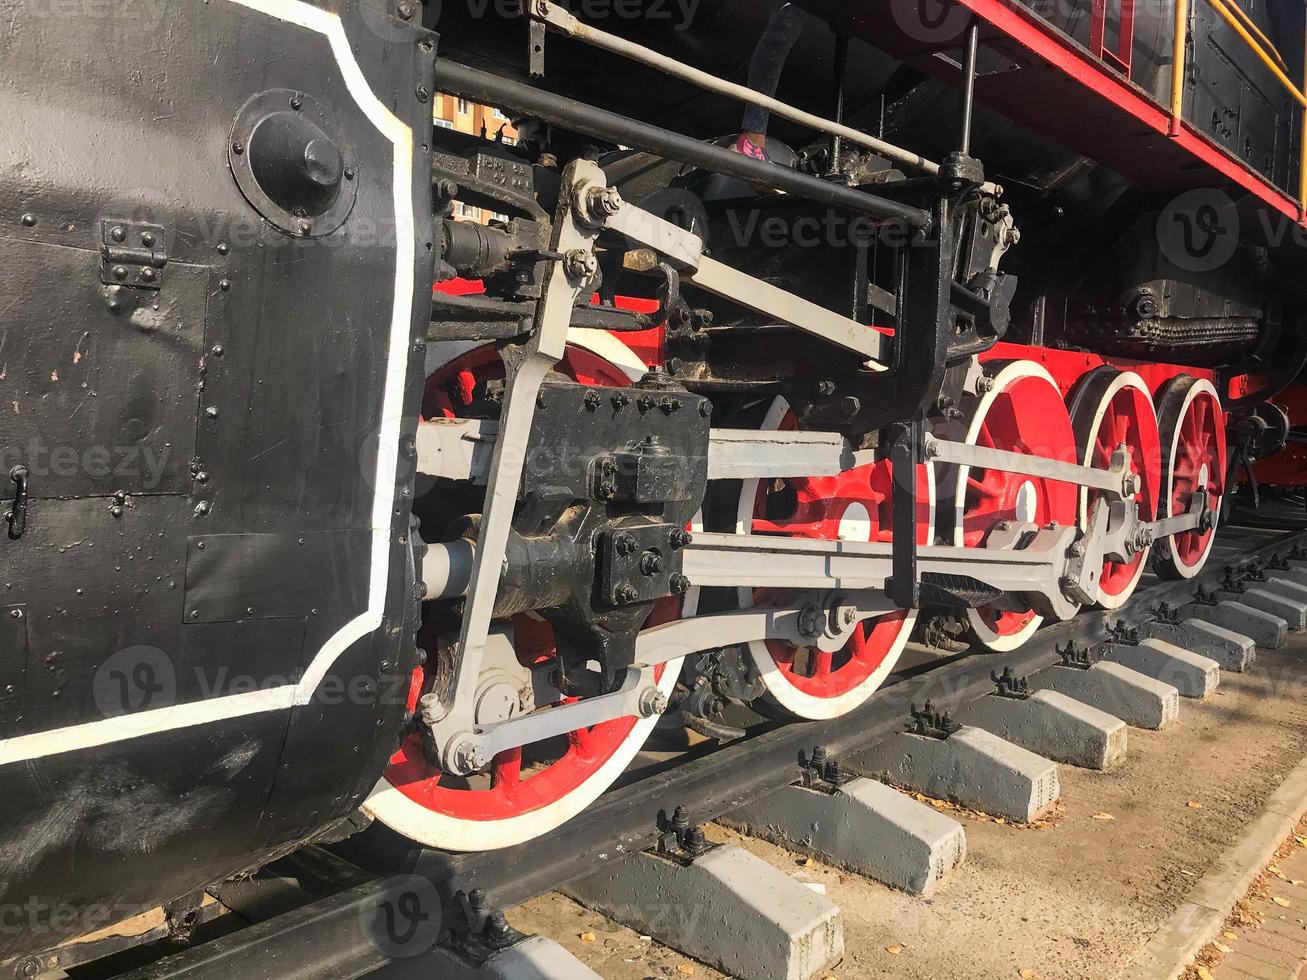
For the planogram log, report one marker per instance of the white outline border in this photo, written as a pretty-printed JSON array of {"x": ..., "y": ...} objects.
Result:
[{"x": 39, "y": 745}]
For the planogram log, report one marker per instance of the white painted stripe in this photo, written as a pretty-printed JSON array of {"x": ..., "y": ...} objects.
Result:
[{"x": 108, "y": 731}]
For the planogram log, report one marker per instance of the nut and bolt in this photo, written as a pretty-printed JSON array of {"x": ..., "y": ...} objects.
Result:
[
  {"x": 680, "y": 539},
  {"x": 825, "y": 387},
  {"x": 626, "y": 594},
  {"x": 598, "y": 204},
  {"x": 432, "y": 708},
  {"x": 468, "y": 756},
  {"x": 984, "y": 384},
  {"x": 651, "y": 563},
  {"x": 652, "y": 702},
  {"x": 850, "y": 405},
  {"x": 621, "y": 399},
  {"x": 580, "y": 263},
  {"x": 680, "y": 584},
  {"x": 705, "y": 408},
  {"x": 810, "y": 624},
  {"x": 592, "y": 400},
  {"x": 624, "y": 543},
  {"x": 405, "y": 9}
]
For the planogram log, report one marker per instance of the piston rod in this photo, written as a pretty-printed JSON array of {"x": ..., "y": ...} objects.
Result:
[{"x": 484, "y": 87}]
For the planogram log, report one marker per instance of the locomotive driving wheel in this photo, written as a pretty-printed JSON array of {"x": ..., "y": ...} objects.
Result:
[
  {"x": 1020, "y": 411},
  {"x": 810, "y": 682},
  {"x": 528, "y": 790},
  {"x": 1193, "y": 456},
  {"x": 1112, "y": 408}
]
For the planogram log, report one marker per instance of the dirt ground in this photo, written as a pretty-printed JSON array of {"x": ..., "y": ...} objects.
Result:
[{"x": 1074, "y": 899}]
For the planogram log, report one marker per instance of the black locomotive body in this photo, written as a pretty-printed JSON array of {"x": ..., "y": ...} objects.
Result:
[
  {"x": 207, "y": 385},
  {"x": 293, "y": 546}
]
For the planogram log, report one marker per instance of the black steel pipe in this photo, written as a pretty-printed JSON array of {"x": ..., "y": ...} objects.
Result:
[
  {"x": 968, "y": 87},
  {"x": 479, "y": 86}
]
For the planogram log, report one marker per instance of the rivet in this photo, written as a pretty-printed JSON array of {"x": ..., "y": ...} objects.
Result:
[
  {"x": 349, "y": 173},
  {"x": 225, "y": 285},
  {"x": 222, "y": 248},
  {"x": 201, "y": 508},
  {"x": 148, "y": 274},
  {"x": 305, "y": 228},
  {"x": 423, "y": 93},
  {"x": 296, "y": 103},
  {"x": 218, "y": 350},
  {"x": 211, "y": 411},
  {"x": 120, "y": 272},
  {"x": 118, "y": 233},
  {"x": 147, "y": 239},
  {"x": 29, "y": 220},
  {"x": 238, "y": 148}
]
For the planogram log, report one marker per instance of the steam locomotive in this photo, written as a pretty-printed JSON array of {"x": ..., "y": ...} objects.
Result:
[{"x": 324, "y": 508}]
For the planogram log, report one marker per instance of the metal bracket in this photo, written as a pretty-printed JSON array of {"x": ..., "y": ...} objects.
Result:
[
  {"x": 132, "y": 253},
  {"x": 679, "y": 840},
  {"x": 821, "y": 771},
  {"x": 1074, "y": 657},
  {"x": 932, "y": 723},
  {"x": 1009, "y": 685}
]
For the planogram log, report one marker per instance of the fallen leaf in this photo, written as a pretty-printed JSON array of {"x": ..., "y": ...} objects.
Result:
[
  {"x": 807, "y": 863},
  {"x": 685, "y": 968},
  {"x": 1302, "y": 841},
  {"x": 587, "y": 937},
  {"x": 999, "y": 820},
  {"x": 894, "y": 950},
  {"x": 1102, "y": 816},
  {"x": 1282, "y": 902},
  {"x": 1194, "y": 806},
  {"x": 1223, "y": 948},
  {"x": 1204, "y": 973},
  {"x": 1026, "y": 974},
  {"x": 1230, "y": 935}
]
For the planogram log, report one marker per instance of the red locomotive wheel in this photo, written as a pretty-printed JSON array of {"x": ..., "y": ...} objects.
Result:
[
  {"x": 1111, "y": 408},
  {"x": 1022, "y": 412},
  {"x": 856, "y": 506},
  {"x": 531, "y": 789},
  {"x": 1193, "y": 455}
]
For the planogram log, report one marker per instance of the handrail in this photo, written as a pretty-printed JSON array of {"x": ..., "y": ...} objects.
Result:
[{"x": 1240, "y": 24}]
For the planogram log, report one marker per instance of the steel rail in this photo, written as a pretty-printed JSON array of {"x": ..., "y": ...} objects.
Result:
[
  {"x": 326, "y": 932},
  {"x": 480, "y": 86}
]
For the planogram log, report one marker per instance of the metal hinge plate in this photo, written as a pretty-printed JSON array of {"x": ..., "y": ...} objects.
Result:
[{"x": 132, "y": 253}]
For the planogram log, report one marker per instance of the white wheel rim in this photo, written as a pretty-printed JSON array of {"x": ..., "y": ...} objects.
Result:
[
  {"x": 1201, "y": 386},
  {"x": 782, "y": 690},
  {"x": 1010, "y": 373},
  {"x": 434, "y": 829},
  {"x": 1123, "y": 379}
]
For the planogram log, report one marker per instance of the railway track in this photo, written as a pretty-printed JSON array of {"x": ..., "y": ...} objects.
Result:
[{"x": 320, "y": 897}]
